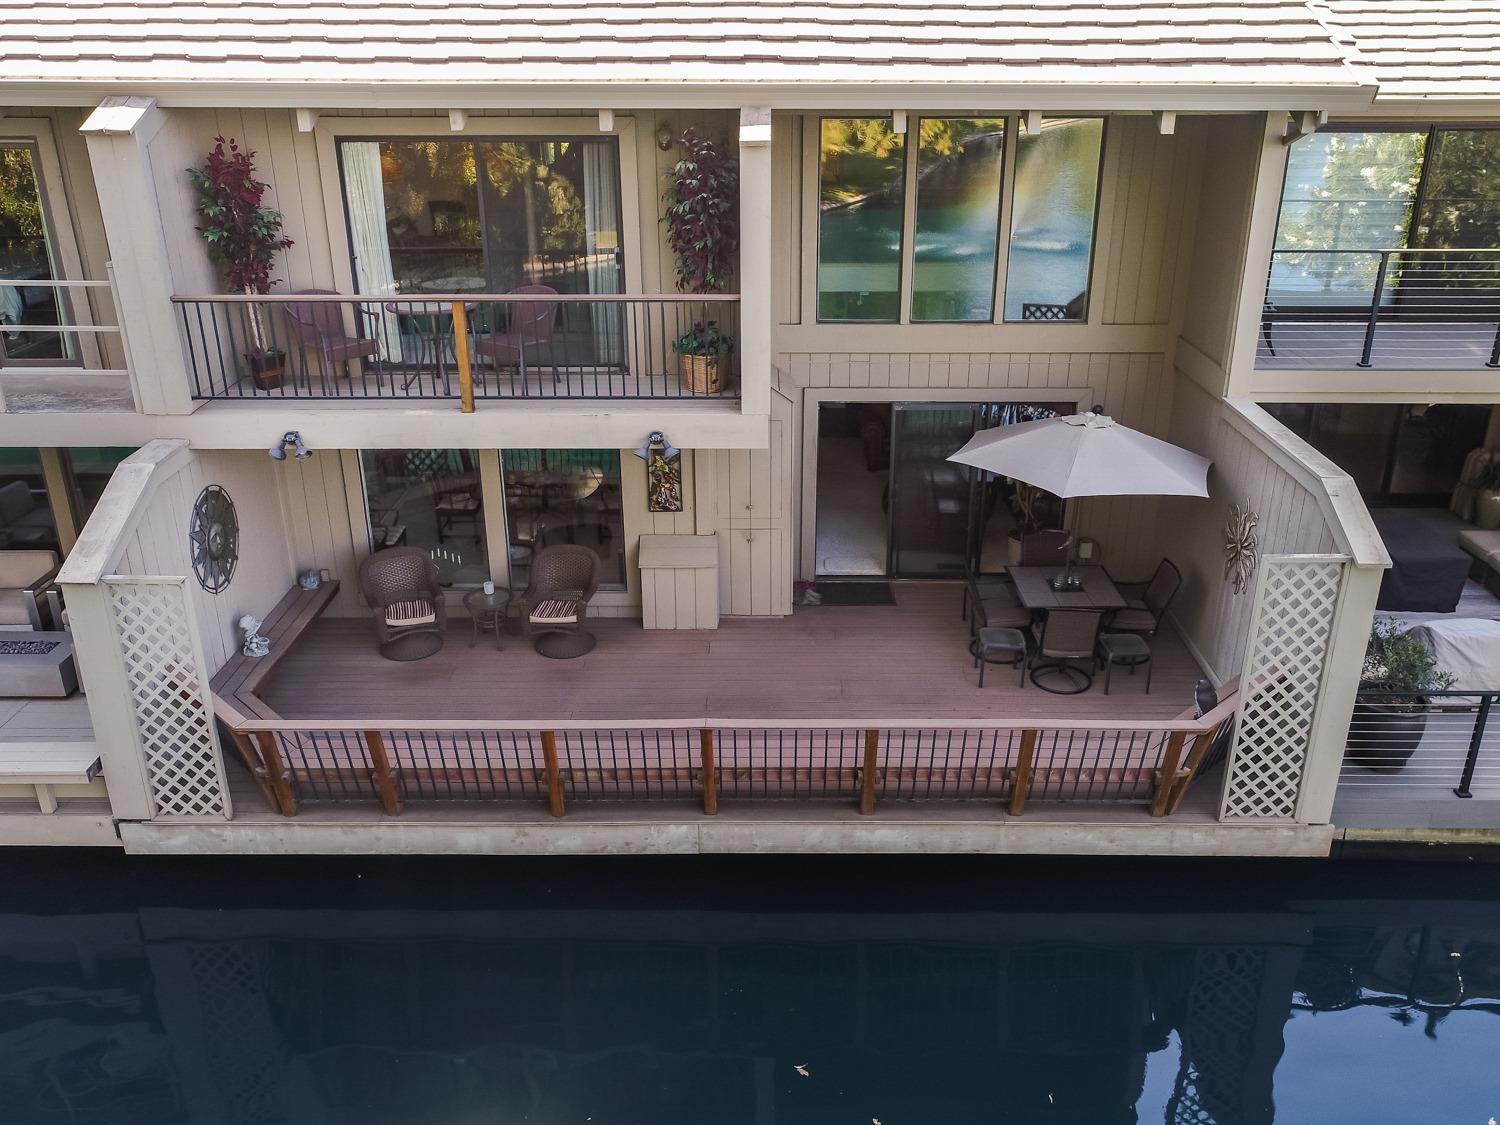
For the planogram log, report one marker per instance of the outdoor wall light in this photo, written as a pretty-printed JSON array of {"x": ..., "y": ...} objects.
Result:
[
  {"x": 664, "y": 447},
  {"x": 294, "y": 439},
  {"x": 665, "y": 138}
]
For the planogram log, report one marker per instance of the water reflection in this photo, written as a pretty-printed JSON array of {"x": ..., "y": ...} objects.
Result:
[{"x": 663, "y": 993}]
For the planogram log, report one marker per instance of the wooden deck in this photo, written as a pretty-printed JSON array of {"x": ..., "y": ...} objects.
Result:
[{"x": 906, "y": 661}]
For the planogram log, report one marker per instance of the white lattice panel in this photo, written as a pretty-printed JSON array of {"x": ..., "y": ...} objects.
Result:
[
  {"x": 1290, "y": 634},
  {"x": 165, "y": 678}
]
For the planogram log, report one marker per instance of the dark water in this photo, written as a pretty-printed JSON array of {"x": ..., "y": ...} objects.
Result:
[{"x": 676, "y": 991}]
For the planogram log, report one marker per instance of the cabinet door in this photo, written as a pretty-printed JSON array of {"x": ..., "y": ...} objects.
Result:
[
  {"x": 755, "y": 576},
  {"x": 755, "y": 484}
]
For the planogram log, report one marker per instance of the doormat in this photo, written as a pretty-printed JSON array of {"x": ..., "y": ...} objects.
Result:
[{"x": 854, "y": 593}]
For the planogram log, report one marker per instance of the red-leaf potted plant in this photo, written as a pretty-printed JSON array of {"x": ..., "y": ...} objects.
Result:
[
  {"x": 243, "y": 238},
  {"x": 703, "y": 229}
]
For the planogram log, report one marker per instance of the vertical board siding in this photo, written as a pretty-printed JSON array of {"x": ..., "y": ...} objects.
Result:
[{"x": 1292, "y": 521}]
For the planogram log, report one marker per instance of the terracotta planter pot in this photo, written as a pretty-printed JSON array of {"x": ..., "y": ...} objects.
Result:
[
  {"x": 1384, "y": 733},
  {"x": 1487, "y": 510},
  {"x": 267, "y": 369},
  {"x": 701, "y": 374}
]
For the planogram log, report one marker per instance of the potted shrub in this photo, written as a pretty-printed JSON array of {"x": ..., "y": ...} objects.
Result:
[
  {"x": 1487, "y": 497},
  {"x": 700, "y": 357},
  {"x": 243, "y": 238},
  {"x": 1390, "y": 713},
  {"x": 703, "y": 229}
]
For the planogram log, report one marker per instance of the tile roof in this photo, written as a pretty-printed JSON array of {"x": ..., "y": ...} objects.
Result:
[
  {"x": 1421, "y": 48},
  {"x": 973, "y": 42}
]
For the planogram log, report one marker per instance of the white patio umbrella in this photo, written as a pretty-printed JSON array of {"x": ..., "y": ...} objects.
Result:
[{"x": 1087, "y": 455}]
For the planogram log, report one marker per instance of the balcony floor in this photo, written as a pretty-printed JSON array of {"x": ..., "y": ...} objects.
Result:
[
  {"x": 67, "y": 392},
  {"x": 848, "y": 663},
  {"x": 1320, "y": 346}
]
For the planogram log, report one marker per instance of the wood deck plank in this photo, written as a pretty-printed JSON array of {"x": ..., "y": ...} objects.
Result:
[{"x": 857, "y": 662}]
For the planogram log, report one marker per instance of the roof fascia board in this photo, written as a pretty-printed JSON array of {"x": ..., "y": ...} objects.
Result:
[{"x": 1012, "y": 97}]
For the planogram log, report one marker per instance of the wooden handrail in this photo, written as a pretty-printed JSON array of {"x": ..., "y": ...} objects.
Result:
[
  {"x": 710, "y": 777},
  {"x": 461, "y": 357},
  {"x": 461, "y": 298},
  {"x": 868, "y": 769}
]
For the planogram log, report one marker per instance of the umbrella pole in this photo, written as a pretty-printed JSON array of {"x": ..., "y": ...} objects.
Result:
[{"x": 1070, "y": 525}]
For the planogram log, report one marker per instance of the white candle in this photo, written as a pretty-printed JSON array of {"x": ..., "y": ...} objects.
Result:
[{"x": 489, "y": 587}]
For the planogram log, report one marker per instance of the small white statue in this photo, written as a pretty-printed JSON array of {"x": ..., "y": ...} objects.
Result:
[{"x": 255, "y": 644}]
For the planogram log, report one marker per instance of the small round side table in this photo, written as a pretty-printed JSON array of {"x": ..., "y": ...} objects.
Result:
[{"x": 488, "y": 611}]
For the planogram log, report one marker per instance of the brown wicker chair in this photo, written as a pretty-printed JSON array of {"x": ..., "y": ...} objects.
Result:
[
  {"x": 1065, "y": 636},
  {"x": 563, "y": 579},
  {"x": 400, "y": 585}
]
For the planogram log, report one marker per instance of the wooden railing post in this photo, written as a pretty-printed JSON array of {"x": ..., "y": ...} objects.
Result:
[
  {"x": 1022, "y": 783},
  {"x": 554, "y": 778},
  {"x": 710, "y": 778},
  {"x": 461, "y": 357},
  {"x": 867, "y": 775},
  {"x": 385, "y": 780},
  {"x": 281, "y": 783},
  {"x": 1168, "y": 777},
  {"x": 252, "y": 759}
]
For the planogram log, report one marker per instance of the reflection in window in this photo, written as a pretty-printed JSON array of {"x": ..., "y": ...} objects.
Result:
[
  {"x": 1346, "y": 195},
  {"x": 861, "y": 177},
  {"x": 88, "y": 471},
  {"x": 1052, "y": 220},
  {"x": 1460, "y": 205},
  {"x": 429, "y": 498},
  {"x": 25, "y": 255},
  {"x": 26, "y": 520},
  {"x": 959, "y": 164},
  {"x": 557, "y": 496}
]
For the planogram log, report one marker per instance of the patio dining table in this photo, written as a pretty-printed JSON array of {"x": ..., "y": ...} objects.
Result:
[
  {"x": 1034, "y": 588},
  {"x": 433, "y": 321}
]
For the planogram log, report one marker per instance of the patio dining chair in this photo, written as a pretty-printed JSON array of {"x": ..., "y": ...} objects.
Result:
[
  {"x": 319, "y": 326},
  {"x": 1063, "y": 638},
  {"x": 1146, "y": 604},
  {"x": 531, "y": 325}
]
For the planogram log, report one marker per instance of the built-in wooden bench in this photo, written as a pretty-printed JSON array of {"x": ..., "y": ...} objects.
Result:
[{"x": 45, "y": 764}]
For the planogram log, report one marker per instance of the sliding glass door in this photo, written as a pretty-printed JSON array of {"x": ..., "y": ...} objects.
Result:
[{"x": 27, "y": 256}]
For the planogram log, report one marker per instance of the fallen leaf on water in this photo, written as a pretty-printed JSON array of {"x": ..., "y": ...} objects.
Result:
[{"x": 801, "y": 1068}]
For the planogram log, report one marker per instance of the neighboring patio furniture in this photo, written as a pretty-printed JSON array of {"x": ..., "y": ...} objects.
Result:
[
  {"x": 1000, "y": 646},
  {"x": 432, "y": 324},
  {"x": 42, "y": 765},
  {"x": 25, "y": 579},
  {"x": 25, "y": 518},
  {"x": 1128, "y": 650},
  {"x": 1428, "y": 567},
  {"x": 319, "y": 327},
  {"x": 488, "y": 611},
  {"x": 37, "y": 665},
  {"x": 531, "y": 325},
  {"x": 1484, "y": 546},
  {"x": 1146, "y": 605},
  {"x": 1096, "y": 590},
  {"x": 400, "y": 585},
  {"x": 1044, "y": 548},
  {"x": 563, "y": 579},
  {"x": 1064, "y": 637}
]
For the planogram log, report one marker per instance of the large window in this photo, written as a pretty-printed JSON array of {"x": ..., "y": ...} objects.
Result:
[
  {"x": 26, "y": 255},
  {"x": 555, "y": 496},
  {"x": 429, "y": 498},
  {"x": 959, "y": 167},
  {"x": 1052, "y": 220},
  {"x": 955, "y": 193},
  {"x": 861, "y": 176}
]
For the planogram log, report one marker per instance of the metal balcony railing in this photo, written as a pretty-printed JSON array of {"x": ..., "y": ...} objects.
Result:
[{"x": 1389, "y": 308}]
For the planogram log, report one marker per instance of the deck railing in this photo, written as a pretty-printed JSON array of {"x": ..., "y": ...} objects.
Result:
[
  {"x": 1432, "y": 744},
  {"x": 862, "y": 765},
  {"x": 1405, "y": 308},
  {"x": 462, "y": 347},
  {"x": 51, "y": 327}
]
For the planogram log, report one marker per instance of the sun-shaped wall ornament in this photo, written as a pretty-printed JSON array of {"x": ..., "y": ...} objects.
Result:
[
  {"x": 214, "y": 539},
  {"x": 1241, "y": 547}
]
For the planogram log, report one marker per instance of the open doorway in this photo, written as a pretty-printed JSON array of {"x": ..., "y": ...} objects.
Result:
[{"x": 891, "y": 504}]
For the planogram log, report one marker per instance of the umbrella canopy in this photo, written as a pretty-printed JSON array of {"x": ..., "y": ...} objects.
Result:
[{"x": 1087, "y": 455}]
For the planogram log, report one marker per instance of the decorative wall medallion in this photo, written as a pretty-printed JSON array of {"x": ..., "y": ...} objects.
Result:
[
  {"x": 214, "y": 538},
  {"x": 1241, "y": 547}
]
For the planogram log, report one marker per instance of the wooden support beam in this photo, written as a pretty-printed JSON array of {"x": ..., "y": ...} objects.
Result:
[
  {"x": 307, "y": 120},
  {"x": 385, "y": 779},
  {"x": 867, "y": 774},
  {"x": 1166, "y": 121},
  {"x": 710, "y": 777},
  {"x": 554, "y": 777},
  {"x": 1171, "y": 759},
  {"x": 898, "y": 121},
  {"x": 461, "y": 357},
  {"x": 1033, "y": 123},
  {"x": 606, "y": 121},
  {"x": 281, "y": 782},
  {"x": 458, "y": 120},
  {"x": 1021, "y": 786}
]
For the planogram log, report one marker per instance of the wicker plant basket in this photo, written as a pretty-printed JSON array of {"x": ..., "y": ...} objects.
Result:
[{"x": 701, "y": 374}]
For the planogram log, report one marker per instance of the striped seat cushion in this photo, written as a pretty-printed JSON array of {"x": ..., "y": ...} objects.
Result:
[
  {"x": 555, "y": 611},
  {"x": 398, "y": 615}
]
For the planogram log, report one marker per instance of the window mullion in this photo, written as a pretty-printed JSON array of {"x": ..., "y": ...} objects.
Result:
[
  {"x": 1003, "y": 227},
  {"x": 909, "y": 217}
]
